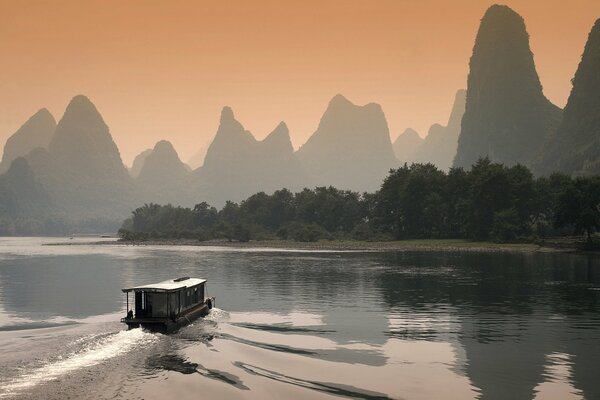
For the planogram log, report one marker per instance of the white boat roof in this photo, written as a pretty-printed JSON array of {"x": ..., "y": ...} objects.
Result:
[{"x": 168, "y": 285}]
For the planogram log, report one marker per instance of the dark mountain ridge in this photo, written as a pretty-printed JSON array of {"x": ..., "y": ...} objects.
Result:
[
  {"x": 507, "y": 117},
  {"x": 575, "y": 148}
]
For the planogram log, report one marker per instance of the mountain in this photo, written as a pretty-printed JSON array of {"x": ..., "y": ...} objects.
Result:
[
  {"x": 351, "y": 147},
  {"x": 440, "y": 144},
  {"x": 83, "y": 142},
  {"x": 164, "y": 178},
  {"x": 82, "y": 168},
  {"x": 406, "y": 144},
  {"x": 231, "y": 144},
  {"x": 237, "y": 165},
  {"x": 278, "y": 141},
  {"x": 138, "y": 163},
  {"x": 507, "y": 117},
  {"x": 575, "y": 148},
  {"x": 36, "y": 132},
  {"x": 197, "y": 159},
  {"x": 162, "y": 164},
  {"x": 21, "y": 193},
  {"x": 278, "y": 163}
]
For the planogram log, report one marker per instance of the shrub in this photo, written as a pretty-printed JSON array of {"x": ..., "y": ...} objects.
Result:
[
  {"x": 300, "y": 232},
  {"x": 506, "y": 225}
]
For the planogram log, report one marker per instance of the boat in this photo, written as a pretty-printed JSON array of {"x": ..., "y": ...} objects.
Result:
[{"x": 167, "y": 306}]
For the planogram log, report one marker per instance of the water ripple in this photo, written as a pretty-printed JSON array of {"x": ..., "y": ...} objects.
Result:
[{"x": 325, "y": 387}]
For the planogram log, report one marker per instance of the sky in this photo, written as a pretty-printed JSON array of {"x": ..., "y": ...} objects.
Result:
[{"x": 164, "y": 69}]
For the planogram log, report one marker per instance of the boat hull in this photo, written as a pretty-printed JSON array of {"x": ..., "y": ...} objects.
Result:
[{"x": 169, "y": 325}]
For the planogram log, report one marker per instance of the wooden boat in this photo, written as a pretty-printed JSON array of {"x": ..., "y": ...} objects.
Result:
[{"x": 167, "y": 306}]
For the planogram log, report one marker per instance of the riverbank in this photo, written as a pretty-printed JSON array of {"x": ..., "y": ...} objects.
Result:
[{"x": 352, "y": 245}]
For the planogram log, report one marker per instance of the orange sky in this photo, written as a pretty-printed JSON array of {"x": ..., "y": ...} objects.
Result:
[{"x": 164, "y": 69}]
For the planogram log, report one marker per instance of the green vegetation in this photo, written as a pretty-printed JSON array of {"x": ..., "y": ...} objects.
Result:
[
  {"x": 579, "y": 206},
  {"x": 491, "y": 202}
]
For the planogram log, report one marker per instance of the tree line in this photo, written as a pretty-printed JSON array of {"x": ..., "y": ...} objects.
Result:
[{"x": 488, "y": 202}]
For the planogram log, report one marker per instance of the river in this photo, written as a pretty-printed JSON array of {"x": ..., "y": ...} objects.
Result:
[{"x": 300, "y": 324}]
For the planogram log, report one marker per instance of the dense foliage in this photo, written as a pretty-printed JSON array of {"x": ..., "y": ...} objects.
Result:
[{"x": 489, "y": 202}]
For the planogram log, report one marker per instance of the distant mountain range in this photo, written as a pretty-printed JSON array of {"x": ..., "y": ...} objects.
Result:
[
  {"x": 351, "y": 148},
  {"x": 36, "y": 132},
  {"x": 69, "y": 177},
  {"x": 237, "y": 165},
  {"x": 164, "y": 178},
  {"x": 439, "y": 146},
  {"x": 82, "y": 169},
  {"x": 406, "y": 144}
]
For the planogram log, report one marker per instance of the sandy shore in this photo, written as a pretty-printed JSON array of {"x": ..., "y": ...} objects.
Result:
[{"x": 402, "y": 245}]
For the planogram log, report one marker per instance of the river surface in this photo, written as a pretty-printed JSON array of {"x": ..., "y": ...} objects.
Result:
[{"x": 301, "y": 324}]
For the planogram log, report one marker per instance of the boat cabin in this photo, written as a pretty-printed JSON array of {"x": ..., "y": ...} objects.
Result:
[{"x": 165, "y": 303}]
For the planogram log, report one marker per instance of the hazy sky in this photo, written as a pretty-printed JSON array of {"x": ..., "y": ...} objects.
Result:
[{"x": 164, "y": 69}]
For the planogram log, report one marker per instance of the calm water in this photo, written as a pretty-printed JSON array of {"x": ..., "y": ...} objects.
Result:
[{"x": 295, "y": 325}]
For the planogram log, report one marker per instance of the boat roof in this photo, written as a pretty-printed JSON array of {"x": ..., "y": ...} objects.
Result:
[{"x": 168, "y": 285}]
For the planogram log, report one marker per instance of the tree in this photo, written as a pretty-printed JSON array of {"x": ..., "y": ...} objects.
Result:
[
  {"x": 579, "y": 206},
  {"x": 204, "y": 215},
  {"x": 489, "y": 193}
]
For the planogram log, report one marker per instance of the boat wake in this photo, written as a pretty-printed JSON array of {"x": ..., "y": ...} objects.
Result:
[
  {"x": 328, "y": 388},
  {"x": 91, "y": 351},
  {"x": 216, "y": 315}
]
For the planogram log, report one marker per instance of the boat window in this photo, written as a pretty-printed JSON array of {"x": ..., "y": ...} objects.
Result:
[
  {"x": 188, "y": 299},
  {"x": 201, "y": 292}
]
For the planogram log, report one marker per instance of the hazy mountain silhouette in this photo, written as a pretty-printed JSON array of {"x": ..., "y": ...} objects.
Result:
[
  {"x": 197, "y": 159},
  {"x": 138, "y": 163},
  {"x": 36, "y": 132},
  {"x": 507, "y": 117},
  {"x": 406, "y": 144},
  {"x": 278, "y": 162},
  {"x": 83, "y": 142},
  {"x": 237, "y": 165},
  {"x": 21, "y": 194},
  {"x": 82, "y": 169},
  {"x": 278, "y": 141},
  {"x": 440, "y": 144},
  {"x": 162, "y": 164},
  {"x": 164, "y": 178},
  {"x": 351, "y": 148},
  {"x": 231, "y": 142},
  {"x": 575, "y": 148}
]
